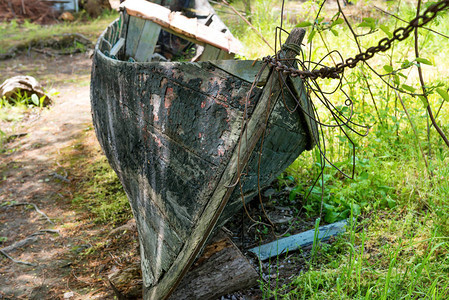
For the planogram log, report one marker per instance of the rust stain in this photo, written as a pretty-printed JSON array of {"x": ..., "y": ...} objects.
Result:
[
  {"x": 221, "y": 150},
  {"x": 222, "y": 98},
  {"x": 157, "y": 140},
  {"x": 218, "y": 102},
  {"x": 177, "y": 74},
  {"x": 163, "y": 82},
  {"x": 145, "y": 133},
  {"x": 169, "y": 97}
]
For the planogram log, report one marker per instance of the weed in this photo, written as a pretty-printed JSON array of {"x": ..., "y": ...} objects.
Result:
[
  {"x": 99, "y": 190},
  {"x": 103, "y": 194},
  {"x": 402, "y": 251}
]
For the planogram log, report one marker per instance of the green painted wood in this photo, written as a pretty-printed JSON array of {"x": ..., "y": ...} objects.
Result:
[
  {"x": 298, "y": 241},
  {"x": 245, "y": 69},
  {"x": 306, "y": 106},
  {"x": 223, "y": 55},
  {"x": 210, "y": 53},
  {"x": 135, "y": 27},
  {"x": 147, "y": 42},
  {"x": 117, "y": 47},
  {"x": 114, "y": 33}
]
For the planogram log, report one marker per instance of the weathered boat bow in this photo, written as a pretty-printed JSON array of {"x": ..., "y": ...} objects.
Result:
[{"x": 179, "y": 135}]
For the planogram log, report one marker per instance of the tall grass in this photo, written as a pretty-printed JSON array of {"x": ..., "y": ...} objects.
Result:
[{"x": 402, "y": 251}]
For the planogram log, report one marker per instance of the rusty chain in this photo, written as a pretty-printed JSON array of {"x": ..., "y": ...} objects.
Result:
[{"x": 384, "y": 44}]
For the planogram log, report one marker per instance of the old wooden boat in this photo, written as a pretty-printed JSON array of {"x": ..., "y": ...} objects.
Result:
[{"x": 185, "y": 138}]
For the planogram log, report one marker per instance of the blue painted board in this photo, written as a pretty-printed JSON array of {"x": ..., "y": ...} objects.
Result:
[{"x": 297, "y": 241}]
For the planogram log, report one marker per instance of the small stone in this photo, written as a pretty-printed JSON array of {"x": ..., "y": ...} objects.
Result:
[{"x": 68, "y": 295}]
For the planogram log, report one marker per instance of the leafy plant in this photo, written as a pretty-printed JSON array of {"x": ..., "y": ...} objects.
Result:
[{"x": 400, "y": 189}]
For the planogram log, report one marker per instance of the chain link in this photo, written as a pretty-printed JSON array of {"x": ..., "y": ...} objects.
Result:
[{"x": 383, "y": 45}]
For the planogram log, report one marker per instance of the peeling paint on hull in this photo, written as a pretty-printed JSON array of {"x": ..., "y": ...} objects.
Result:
[{"x": 171, "y": 131}]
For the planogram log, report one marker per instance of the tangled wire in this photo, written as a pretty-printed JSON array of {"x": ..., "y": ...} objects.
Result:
[{"x": 311, "y": 71}]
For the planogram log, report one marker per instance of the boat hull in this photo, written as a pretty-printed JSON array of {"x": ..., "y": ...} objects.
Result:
[{"x": 179, "y": 135}]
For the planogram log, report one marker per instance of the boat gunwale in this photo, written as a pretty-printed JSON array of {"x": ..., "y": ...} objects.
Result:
[{"x": 211, "y": 63}]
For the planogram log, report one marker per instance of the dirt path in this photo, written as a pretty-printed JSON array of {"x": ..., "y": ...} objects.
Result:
[{"x": 30, "y": 174}]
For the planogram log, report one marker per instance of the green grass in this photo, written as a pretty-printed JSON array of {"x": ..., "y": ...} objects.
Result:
[
  {"x": 101, "y": 194},
  {"x": 402, "y": 208},
  {"x": 13, "y": 34}
]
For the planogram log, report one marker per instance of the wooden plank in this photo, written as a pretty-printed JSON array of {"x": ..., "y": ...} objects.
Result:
[
  {"x": 117, "y": 47},
  {"x": 187, "y": 28},
  {"x": 114, "y": 33},
  {"x": 221, "y": 269},
  {"x": 135, "y": 27},
  {"x": 213, "y": 53},
  {"x": 210, "y": 53},
  {"x": 298, "y": 241},
  {"x": 223, "y": 55},
  {"x": 148, "y": 41},
  {"x": 244, "y": 69}
]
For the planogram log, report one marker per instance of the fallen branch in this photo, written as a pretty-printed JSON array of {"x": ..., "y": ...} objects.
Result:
[
  {"x": 29, "y": 239},
  {"x": 53, "y": 53},
  {"x": 117, "y": 293},
  {"x": 35, "y": 207},
  {"x": 17, "y": 261},
  {"x": 60, "y": 177},
  {"x": 248, "y": 22}
]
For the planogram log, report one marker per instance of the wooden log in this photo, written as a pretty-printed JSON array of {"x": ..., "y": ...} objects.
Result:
[{"x": 222, "y": 269}]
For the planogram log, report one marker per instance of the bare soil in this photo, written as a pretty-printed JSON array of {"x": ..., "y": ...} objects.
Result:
[{"x": 31, "y": 172}]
